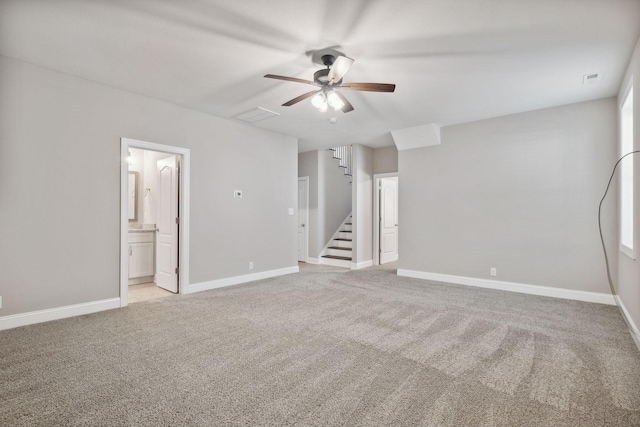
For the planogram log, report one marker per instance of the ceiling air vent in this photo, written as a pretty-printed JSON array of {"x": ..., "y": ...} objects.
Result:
[
  {"x": 588, "y": 79},
  {"x": 255, "y": 115}
]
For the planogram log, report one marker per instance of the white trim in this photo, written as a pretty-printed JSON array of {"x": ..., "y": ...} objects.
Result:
[
  {"x": 633, "y": 328},
  {"x": 185, "y": 188},
  {"x": 306, "y": 219},
  {"x": 236, "y": 280},
  {"x": 47, "y": 315},
  {"x": 626, "y": 250},
  {"x": 336, "y": 262},
  {"x": 547, "y": 291},
  {"x": 311, "y": 260},
  {"x": 376, "y": 212},
  {"x": 363, "y": 264},
  {"x": 140, "y": 280}
]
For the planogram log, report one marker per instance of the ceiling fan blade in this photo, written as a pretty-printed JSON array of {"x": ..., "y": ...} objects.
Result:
[
  {"x": 300, "y": 98},
  {"x": 347, "y": 105},
  {"x": 339, "y": 68},
  {"x": 290, "y": 79},
  {"x": 369, "y": 87}
]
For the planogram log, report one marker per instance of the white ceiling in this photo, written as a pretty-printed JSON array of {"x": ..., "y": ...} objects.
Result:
[{"x": 453, "y": 61}]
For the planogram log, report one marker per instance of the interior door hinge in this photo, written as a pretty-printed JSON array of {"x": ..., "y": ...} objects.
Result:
[
  {"x": 177, "y": 220},
  {"x": 177, "y": 270}
]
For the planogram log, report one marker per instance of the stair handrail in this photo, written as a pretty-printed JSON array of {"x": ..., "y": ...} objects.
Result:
[{"x": 344, "y": 155}]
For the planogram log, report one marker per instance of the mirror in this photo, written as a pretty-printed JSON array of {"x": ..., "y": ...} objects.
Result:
[{"x": 133, "y": 196}]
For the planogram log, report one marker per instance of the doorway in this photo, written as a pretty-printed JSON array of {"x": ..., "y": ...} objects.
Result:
[
  {"x": 154, "y": 233},
  {"x": 303, "y": 218},
  {"x": 385, "y": 214}
]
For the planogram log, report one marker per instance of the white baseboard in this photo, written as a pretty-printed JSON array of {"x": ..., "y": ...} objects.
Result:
[
  {"x": 363, "y": 264},
  {"x": 595, "y": 297},
  {"x": 236, "y": 280},
  {"x": 633, "y": 328},
  {"x": 313, "y": 260},
  {"x": 140, "y": 280},
  {"x": 336, "y": 262},
  {"x": 32, "y": 317}
]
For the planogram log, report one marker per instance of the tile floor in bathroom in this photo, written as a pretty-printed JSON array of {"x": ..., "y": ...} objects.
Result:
[{"x": 146, "y": 291}]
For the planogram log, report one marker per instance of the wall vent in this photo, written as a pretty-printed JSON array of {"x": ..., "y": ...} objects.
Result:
[
  {"x": 255, "y": 115},
  {"x": 588, "y": 79}
]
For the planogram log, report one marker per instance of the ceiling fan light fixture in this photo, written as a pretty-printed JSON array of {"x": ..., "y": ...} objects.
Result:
[
  {"x": 334, "y": 101},
  {"x": 339, "y": 68},
  {"x": 320, "y": 102}
]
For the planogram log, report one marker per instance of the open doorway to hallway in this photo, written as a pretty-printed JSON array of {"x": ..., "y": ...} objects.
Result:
[{"x": 154, "y": 223}]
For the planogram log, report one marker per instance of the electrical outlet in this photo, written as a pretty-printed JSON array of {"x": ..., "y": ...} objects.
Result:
[
  {"x": 251, "y": 265},
  {"x": 290, "y": 211},
  {"x": 0, "y": 302},
  {"x": 493, "y": 271}
]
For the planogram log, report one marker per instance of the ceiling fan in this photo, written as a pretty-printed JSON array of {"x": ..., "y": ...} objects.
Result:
[{"x": 330, "y": 79}]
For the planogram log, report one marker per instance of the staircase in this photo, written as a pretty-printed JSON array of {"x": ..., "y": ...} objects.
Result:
[
  {"x": 339, "y": 251},
  {"x": 343, "y": 155}
]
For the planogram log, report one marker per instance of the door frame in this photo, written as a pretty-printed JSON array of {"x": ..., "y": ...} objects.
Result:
[
  {"x": 184, "y": 155},
  {"x": 376, "y": 212},
  {"x": 306, "y": 218}
]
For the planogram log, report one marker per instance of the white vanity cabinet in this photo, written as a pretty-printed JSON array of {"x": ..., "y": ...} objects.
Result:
[{"x": 141, "y": 256}]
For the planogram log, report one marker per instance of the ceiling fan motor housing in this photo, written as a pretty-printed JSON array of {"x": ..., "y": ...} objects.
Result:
[
  {"x": 328, "y": 60},
  {"x": 321, "y": 76}
]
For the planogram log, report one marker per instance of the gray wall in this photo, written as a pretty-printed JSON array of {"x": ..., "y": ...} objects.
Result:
[
  {"x": 629, "y": 269},
  {"x": 363, "y": 203},
  {"x": 518, "y": 193},
  {"x": 385, "y": 159},
  {"x": 60, "y": 188}
]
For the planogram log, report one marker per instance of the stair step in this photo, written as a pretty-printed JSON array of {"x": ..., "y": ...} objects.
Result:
[
  {"x": 339, "y": 248},
  {"x": 344, "y": 240},
  {"x": 344, "y": 258},
  {"x": 346, "y": 231},
  {"x": 342, "y": 244},
  {"x": 348, "y": 223}
]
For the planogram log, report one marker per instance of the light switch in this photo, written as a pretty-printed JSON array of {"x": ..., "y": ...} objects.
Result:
[{"x": 290, "y": 211}]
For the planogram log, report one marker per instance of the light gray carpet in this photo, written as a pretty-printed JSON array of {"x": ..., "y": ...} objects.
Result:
[{"x": 355, "y": 348}]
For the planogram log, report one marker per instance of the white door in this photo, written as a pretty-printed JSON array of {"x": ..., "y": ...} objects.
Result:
[
  {"x": 303, "y": 217},
  {"x": 388, "y": 220},
  {"x": 167, "y": 241}
]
